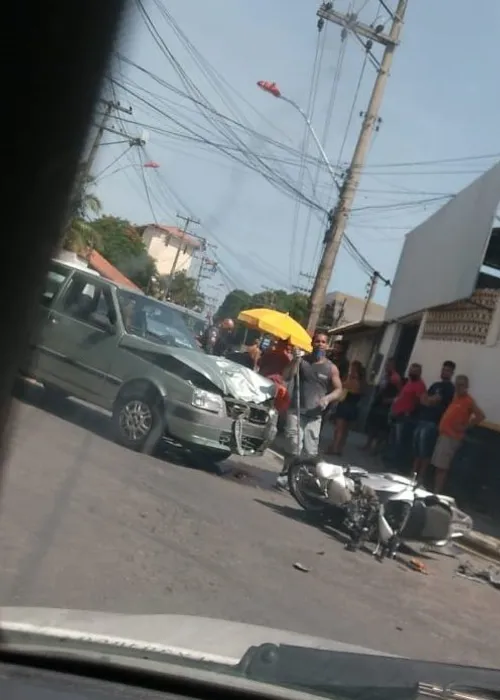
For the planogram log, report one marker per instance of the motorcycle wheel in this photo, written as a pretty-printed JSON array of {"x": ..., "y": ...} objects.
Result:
[{"x": 296, "y": 472}]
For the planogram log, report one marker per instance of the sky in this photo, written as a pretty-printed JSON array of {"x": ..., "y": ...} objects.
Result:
[{"x": 441, "y": 104}]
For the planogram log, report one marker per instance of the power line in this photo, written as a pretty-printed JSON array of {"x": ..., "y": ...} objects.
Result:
[{"x": 311, "y": 101}]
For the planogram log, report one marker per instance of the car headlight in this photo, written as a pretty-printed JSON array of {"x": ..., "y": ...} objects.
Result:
[{"x": 207, "y": 401}]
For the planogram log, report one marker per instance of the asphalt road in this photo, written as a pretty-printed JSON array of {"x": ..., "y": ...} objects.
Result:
[{"x": 87, "y": 524}]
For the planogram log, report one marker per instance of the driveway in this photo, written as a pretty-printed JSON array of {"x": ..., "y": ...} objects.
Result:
[{"x": 87, "y": 524}]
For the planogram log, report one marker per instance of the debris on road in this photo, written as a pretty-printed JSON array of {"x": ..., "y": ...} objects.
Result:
[
  {"x": 470, "y": 572},
  {"x": 301, "y": 567},
  {"x": 418, "y": 566}
]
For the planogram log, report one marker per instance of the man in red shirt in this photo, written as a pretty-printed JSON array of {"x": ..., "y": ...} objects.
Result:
[
  {"x": 404, "y": 407},
  {"x": 276, "y": 359}
]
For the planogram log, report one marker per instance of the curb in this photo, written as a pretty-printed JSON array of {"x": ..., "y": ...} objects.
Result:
[{"x": 482, "y": 544}]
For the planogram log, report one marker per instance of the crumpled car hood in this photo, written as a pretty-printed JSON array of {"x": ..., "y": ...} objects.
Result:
[
  {"x": 229, "y": 377},
  {"x": 197, "y": 638}
]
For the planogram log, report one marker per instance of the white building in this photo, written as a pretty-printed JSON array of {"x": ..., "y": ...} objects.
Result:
[
  {"x": 169, "y": 246},
  {"x": 445, "y": 298}
]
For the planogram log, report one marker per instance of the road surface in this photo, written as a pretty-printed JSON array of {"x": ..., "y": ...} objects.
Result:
[{"x": 87, "y": 524}]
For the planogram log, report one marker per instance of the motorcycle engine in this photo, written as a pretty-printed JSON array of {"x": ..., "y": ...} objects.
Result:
[{"x": 363, "y": 507}]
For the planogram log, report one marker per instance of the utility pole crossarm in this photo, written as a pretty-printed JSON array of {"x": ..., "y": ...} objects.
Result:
[
  {"x": 343, "y": 208},
  {"x": 350, "y": 22}
]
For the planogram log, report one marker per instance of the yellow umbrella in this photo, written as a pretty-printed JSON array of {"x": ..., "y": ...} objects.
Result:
[{"x": 278, "y": 324}]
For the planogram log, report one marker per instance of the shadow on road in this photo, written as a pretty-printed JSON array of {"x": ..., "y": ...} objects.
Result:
[
  {"x": 300, "y": 516},
  {"x": 97, "y": 421}
]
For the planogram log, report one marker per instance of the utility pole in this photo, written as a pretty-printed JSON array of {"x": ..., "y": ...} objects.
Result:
[
  {"x": 187, "y": 221},
  {"x": 348, "y": 190},
  {"x": 207, "y": 267},
  {"x": 110, "y": 107},
  {"x": 372, "y": 285}
]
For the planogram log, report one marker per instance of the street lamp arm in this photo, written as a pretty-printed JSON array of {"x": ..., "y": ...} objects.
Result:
[
  {"x": 273, "y": 89},
  {"x": 313, "y": 133}
]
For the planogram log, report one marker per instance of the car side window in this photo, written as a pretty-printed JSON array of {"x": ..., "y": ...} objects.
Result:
[
  {"x": 55, "y": 279},
  {"x": 90, "y": 302}
]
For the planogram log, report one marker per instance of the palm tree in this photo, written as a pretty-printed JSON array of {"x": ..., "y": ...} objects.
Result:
[{"x": 80, "y": 235}]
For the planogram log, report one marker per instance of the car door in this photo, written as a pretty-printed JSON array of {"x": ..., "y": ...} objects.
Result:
[
  {"x": 39, "y": 355},
  {"x": 80, "y": 340}
]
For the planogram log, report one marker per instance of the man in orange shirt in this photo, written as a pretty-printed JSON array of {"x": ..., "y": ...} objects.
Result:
[{"x": 462, "y": 413}]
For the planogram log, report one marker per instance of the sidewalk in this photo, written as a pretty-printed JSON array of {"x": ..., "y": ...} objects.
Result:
[{"x": 485, "y": 539}]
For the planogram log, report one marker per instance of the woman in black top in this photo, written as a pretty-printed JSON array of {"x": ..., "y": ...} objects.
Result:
[{"x": 346, "y": 413}]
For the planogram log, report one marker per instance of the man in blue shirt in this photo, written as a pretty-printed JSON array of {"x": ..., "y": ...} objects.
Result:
[{"x": 432, "y": 406}]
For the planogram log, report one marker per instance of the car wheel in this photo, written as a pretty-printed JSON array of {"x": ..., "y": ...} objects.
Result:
[{"x": 137, "y": 423}]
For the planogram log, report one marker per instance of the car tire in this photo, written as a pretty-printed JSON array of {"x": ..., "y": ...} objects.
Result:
[{"x": 138, "y": 423}]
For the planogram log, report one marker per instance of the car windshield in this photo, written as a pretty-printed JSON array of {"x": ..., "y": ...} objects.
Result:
[
  {"x": 195, "y": 324},
  {"x": 153, "y": 320}
]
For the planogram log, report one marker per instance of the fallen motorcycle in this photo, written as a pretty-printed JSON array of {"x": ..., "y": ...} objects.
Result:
[{"x": 385, "y": 508}]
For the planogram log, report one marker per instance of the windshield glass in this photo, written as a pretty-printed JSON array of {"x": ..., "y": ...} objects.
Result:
[
  {"x": 150, "y": 319},
  {"x": 194, "y": 323}
]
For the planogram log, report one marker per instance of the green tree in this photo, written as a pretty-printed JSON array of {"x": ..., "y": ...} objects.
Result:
[
  {"x": 80, "y": 234},
  {"x": 295, "y": 303},
  {"x": 235, "y": 302},
  {"x": 298, "y": 307},
  {"x": 119, "y": 242},
  {"x": 271, "y": 299},
  {"x": 183, "y": 291}
]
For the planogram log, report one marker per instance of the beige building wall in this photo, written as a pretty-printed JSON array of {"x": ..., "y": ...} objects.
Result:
[{"x": 162, "y": 246}]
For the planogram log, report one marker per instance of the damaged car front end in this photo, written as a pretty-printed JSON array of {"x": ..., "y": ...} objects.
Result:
[{"x": 212, "y": 406}]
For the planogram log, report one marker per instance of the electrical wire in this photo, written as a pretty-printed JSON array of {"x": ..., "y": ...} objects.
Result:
[
  {"x": 311, "y": 101},
  {"x": 244, "y": 149},
  {"x": 311, "y": 159},
  {"x": 113, "y": 162}
]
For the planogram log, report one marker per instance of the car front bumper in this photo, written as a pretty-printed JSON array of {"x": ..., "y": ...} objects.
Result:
[{"x": 193, "y": 426}]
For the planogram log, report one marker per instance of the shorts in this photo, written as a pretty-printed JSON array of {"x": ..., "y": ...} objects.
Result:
[
  {"x": 446, "y": 448},
  {"x": 347, "y": 411},
  {"x": 424, "y": 439}
]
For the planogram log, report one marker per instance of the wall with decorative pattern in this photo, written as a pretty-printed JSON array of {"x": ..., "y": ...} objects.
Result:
[
  {"x": 469, "y": 335},
  {"x": 466, "y": 321}
]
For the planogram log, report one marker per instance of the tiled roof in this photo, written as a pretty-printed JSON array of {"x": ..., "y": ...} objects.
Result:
[
  {"x": 106, "y": 269},
  {"x": 176, "y": 232}
]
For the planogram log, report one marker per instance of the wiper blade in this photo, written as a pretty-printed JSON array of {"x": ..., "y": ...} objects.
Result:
[
  {"x": 428, "y": 690},
  {"x": 359, "y": 676}
]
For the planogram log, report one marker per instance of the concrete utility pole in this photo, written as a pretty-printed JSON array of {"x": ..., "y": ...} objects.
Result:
[
  {"x": 372, "y": 285},
  {"x": 207, "y": 268},
  {"x": 188, "y": 220},
  {"x": 348, "y": 190},
  {"x": 110, "y": 107}
]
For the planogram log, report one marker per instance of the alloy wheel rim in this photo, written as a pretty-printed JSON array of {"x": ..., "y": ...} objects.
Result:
[{"x": 136, "y": 420}]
